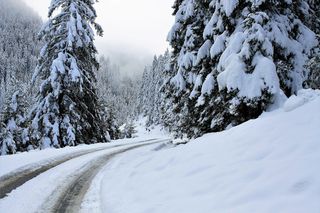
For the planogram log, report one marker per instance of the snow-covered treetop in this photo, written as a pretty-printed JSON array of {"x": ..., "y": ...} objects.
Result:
[
  {"x": 78, "y": 16},
  {"x": 69, "y": 29}
]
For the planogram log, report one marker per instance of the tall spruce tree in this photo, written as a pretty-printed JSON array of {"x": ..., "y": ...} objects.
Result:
[
  {"x": 14, "y": 136},
  {"x": 67, "y": 111},
  {"x": 185, "y": 38},
  {"x": 249, "y": 53}
]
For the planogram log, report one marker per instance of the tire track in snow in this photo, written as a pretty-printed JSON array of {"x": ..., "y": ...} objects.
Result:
[
  {"x": 17, "y": 178},
  {"x": 70, "y": 197}
]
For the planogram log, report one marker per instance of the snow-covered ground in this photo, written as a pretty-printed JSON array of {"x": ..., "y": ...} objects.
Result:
[
  {"x": 144, "y": 132},
  {"x": 9, "y": 163},
  {"x": 270, "y": 164},
  {"x": 38, "y": 194}
]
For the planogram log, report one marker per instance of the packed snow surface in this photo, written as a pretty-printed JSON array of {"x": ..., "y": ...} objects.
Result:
[
  {"x": 270, "y": 164},
  {"x": 37, "y": 193},
  {"x": 10, "y": 163}
]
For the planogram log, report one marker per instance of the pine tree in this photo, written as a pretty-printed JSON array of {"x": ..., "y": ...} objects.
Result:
[
  {"x": 314, "y": 72},
  {"x": 108, "y": 117},
  {"x": 14, "y": 135},
  {"x": 232, "y": 59},
  {"x": 268, "y": 61},
  {"x": 67, "y": 110},
  {"x": 159, "y": 84},
  {"x": 107, "y": 83},
  {"x": 185, "y": 38},
  {"x": 150, "y": 97},
  {"x": 313, "y": 65}
]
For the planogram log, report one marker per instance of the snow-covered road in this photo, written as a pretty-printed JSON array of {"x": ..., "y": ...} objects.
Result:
[{"x": 57, "y": 183}]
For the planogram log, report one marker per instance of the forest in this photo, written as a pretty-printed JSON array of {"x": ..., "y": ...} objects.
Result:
[
  {"x": 228, "y": 63},
  {"x": 98, "y": 114}
]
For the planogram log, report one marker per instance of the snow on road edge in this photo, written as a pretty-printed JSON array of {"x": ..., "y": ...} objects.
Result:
[{"x": 270, "y": 164}]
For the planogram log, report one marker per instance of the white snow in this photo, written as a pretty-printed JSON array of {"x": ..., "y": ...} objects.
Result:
[
  {"x": 153, "y": 132},
  {"x": 10, "y": 163},
  {"x": 204, "y": 51},
  {"x": 229, "y": 6},
  {"x": 31, "y": 196},
  {"x": 198, "y": 82},
  {"x": 178, "y": 81},
  {"x": 303, "y": 97},
  {"x": 270, "y": 164},
  {"x": 218, "y": 46},
  {"x": 206, "y": 89}
]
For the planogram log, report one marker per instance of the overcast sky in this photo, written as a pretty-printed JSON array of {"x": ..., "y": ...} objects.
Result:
[{"x": 134, "y": 30}]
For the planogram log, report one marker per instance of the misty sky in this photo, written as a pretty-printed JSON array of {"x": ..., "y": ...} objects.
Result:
[{"x": 134, "y": 30}]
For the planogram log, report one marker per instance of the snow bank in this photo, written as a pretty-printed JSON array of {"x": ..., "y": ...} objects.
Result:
[
  {"x": 10, "y": 163},
  {"x": 303, "y": 97},
  {"x": 270, "y": 164},
  {"x": 40, "y": 193}
]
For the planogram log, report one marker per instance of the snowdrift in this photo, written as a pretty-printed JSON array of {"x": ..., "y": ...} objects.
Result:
[{"x": 270, "y": 164}]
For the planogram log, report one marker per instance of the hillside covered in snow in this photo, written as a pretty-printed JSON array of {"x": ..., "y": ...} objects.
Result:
[{"x": 270, "y": 164}]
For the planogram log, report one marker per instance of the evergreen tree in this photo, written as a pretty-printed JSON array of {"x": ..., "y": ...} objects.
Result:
[
  {"x": 14, "y": 135},
  {"x": 159, "y": 80},
  {"x": 185, "y": 38},
  {"x": 314, "y": 17},
  {"x": 109, "y": 121},
  {"x": 67, "y": 111},
  {"x": 150, "y": 97},
  {"x": 143, "y": 92},
  {"x": 107, "y": 83},
  {"x": 313, "y": 65},
  {"x": 314, "y": 72},
  {"x": 232, "y": 59}
]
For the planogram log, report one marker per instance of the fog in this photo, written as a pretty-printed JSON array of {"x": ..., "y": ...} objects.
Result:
[{"x": 133, "y": 30}]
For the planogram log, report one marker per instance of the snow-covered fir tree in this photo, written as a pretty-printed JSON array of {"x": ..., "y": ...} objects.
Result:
[
  {"x": 150, "y": 97},
  {"x": 185, "y": 38},
  {"x": 107, "y": 82},
  {"x": 67, "y": 112},
  {"x": 13, "y": 132},
  {"x": 232, "y": 59}
]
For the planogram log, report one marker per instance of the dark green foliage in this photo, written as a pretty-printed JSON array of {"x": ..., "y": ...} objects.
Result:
[
  {"x": 67, "y": 112},
  {"x": 14, "y": 135},
  {"x": 201, "y": 93}
]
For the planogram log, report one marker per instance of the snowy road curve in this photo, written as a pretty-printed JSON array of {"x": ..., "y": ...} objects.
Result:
[
  {"x": 15, "y": 179},
  {"x": 69, "y": 187},
  {"x": 70, "y": 199}
]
